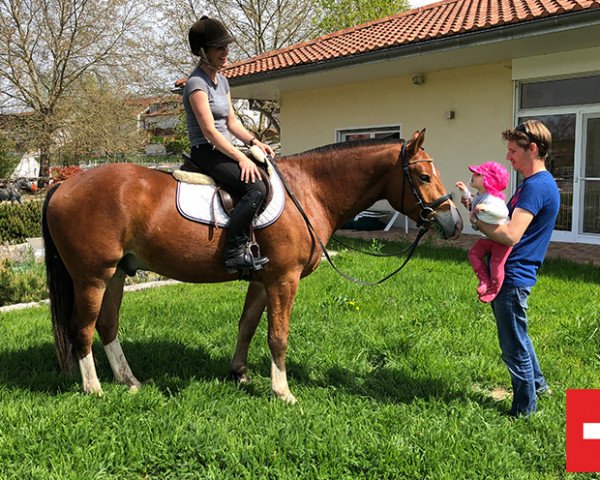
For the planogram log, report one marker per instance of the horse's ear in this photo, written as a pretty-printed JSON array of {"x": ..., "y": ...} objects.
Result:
[{"x": 415, "y": 143}]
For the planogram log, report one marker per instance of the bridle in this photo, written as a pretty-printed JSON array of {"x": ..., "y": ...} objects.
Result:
[
  {"x": 425, "y": 218},
  {"x": 425, "y": 215}
]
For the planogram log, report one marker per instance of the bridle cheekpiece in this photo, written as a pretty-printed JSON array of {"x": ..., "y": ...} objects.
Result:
[{"x": 425, "y": 215}]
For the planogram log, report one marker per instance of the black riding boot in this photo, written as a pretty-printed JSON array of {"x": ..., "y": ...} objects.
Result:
[{"x": 238, "y": 251}]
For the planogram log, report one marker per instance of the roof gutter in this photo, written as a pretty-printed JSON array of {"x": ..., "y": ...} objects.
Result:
[{"x": 546, "y": 25}]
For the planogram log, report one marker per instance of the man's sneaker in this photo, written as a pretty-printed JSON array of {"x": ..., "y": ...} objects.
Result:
[{"x": 544, "y": 391}]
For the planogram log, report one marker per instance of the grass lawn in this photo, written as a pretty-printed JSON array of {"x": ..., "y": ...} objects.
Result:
[{"x": 403, "y": 380}]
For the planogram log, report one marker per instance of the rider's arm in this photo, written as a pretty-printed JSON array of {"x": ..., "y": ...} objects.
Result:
[
  {"x": 206, "y": 121},
  {"x": 238, "y": 130},
  {"x": 510, "y": 233}
]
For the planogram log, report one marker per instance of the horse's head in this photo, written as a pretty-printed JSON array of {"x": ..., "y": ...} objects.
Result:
[{"x": 423, "y": 195}]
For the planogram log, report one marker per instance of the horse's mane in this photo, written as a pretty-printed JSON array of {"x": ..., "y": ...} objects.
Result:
[{"x": 335, "y": 147}]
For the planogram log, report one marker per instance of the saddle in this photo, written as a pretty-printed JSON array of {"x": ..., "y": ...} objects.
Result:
[{"x": 229, "y": 200}]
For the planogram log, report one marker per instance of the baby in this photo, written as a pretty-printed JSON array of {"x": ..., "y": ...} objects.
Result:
[{"x": 489, "y": 179}]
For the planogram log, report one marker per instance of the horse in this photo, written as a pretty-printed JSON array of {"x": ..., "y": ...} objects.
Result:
[{"x": 94, "y": 240}]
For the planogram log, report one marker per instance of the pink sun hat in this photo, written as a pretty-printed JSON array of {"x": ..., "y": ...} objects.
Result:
[{"x": 495, "y": 177}]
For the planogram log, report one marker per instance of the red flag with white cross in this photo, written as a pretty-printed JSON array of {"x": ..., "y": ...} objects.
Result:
[{"x": 583, "y": 430}]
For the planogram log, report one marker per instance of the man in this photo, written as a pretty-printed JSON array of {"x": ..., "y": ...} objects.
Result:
[{"x": 533, "y": 210}]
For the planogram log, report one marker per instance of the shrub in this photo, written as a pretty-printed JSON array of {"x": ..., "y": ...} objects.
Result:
[
  {"x": 178, "y": 146},
  {"x": 19, "y": 222},
  {"x": 20, "y": 283},
  {"x": 62, "y": 173}
]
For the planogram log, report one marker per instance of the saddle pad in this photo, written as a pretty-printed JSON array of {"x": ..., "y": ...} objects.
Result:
[{"x": 196, "y": 202}]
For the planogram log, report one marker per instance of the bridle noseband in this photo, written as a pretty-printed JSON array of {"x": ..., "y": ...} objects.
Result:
[{"x": 425, "y": 215}]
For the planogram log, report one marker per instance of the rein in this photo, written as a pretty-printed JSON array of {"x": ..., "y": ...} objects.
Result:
[{"x": 422, "y": 223}]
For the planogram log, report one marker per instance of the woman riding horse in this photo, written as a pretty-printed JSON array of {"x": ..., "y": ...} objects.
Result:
[{"x": 210, "y": 120}]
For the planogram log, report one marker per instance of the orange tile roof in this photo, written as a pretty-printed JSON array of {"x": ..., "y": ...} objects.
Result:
[{"x": 443, "y": 19}]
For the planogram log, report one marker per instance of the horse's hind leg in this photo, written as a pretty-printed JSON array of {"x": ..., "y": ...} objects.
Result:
[
  {"x": 108, "y": 329},
  {"x": 254, "y": 306},
  {"x": 87, "y": 302}
]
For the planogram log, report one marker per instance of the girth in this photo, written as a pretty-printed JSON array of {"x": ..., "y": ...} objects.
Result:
[{"x": 229, "y": 200}]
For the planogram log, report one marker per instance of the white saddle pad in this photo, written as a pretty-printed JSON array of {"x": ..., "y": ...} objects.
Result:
[{"x": 195, "y": 202}]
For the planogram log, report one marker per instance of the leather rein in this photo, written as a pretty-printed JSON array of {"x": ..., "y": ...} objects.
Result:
[{"x": 423, "y": 222}]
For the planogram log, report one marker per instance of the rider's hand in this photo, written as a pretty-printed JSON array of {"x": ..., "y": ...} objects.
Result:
[
  {"x": 249, "y": 170},
  {"x": 265, "y": 148}
]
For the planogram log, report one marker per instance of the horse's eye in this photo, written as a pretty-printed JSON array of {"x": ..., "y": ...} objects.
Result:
[{"x": 425, "y": 178}]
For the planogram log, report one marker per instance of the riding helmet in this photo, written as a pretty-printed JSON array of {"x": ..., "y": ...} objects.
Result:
[{"x": 208, "y": 32}]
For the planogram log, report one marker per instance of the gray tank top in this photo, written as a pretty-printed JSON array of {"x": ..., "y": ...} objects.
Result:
[{"x": 217, "y": 99}]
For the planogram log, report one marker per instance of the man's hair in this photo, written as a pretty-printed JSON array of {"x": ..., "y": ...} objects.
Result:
[{"x": 531, "y": 131}]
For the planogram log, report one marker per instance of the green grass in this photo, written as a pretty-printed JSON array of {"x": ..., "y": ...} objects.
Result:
[{"x": 393, "y": 381}]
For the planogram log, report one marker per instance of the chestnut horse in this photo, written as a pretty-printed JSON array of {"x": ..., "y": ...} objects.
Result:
[{"x": 105, "y": 223}]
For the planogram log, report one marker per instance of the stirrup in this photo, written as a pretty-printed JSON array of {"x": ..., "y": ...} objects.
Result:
[{"x": 244, "y": 261}]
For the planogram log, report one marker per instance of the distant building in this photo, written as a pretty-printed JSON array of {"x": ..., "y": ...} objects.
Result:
[{"x": 159, "y": 117}]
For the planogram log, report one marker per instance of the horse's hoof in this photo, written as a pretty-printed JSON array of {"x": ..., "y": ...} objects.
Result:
[
  {"x": 133, "y": 389},
  {"x": 287, "y": 398},
  {"x": 96, "y": 392},
  {"x": 240, "y": 377}
]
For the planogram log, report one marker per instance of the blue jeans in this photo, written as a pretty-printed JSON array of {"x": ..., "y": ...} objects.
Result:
[{"x": 510, "y": 310}]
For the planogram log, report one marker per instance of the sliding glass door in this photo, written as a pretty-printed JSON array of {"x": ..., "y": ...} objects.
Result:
[{"x": 589, "y": 201}]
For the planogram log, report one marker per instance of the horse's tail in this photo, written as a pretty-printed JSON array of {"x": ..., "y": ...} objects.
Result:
[{"x": 60, "y": 286}]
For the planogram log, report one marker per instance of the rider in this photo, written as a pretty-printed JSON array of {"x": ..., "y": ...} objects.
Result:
[{"x": 210, "y": 121}]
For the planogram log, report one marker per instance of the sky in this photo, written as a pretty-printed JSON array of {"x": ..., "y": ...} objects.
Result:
[{"x": 420, "y": 3}]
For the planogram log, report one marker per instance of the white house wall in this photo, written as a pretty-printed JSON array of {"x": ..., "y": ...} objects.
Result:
[
  {"x": 480, "y": 96},
  {"x": 555, "y": 65}
]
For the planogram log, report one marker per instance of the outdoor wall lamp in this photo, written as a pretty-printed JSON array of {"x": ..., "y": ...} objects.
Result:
[{"x": 418, "y": 79}]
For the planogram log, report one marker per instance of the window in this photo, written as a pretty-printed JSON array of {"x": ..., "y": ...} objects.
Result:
[
  {"x": 570, "y": 108},
  {"x": 556, "y": 93},
  {"x": 367, "y": 133},
  {"x": 560, "y": 162}
]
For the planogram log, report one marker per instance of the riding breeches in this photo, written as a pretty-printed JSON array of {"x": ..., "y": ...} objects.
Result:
[{"x": 227, "y": 173}]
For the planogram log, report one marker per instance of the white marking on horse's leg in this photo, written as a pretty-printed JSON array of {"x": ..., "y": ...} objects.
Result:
[
  {"x": 89, "y": 378},
  {"x": 279, "y": 384},
  {"x": 118, "y": 363}
]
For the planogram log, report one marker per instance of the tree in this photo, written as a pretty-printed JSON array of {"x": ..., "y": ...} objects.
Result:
[
  {"x": 48, "y": 46},
  {"x": 99, "y": 121},
  {"x": 7, "y": 161},
  {"x": 339, "y": 14}
]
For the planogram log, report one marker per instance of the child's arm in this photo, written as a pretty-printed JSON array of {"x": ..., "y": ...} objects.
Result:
[
  {"x": 466, "y": 197},
  {"x": 464, "y": 190}
]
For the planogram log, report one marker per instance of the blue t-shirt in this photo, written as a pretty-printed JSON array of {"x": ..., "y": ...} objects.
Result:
[
  {"x": 539, "y": 195},
  {"x": 218, "y": 99}
]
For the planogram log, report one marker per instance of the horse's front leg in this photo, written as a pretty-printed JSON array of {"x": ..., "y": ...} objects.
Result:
[
  {"x": 256, "y": 300},
  {"x": 280, "y": 299}
]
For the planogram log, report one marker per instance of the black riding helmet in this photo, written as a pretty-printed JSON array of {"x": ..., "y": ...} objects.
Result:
[{"x": 208, "y": 32}]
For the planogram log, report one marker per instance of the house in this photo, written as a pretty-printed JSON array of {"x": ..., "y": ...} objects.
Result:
[
  {"x": 159, "y": 117},
  {"x": 463, "y": 69}
]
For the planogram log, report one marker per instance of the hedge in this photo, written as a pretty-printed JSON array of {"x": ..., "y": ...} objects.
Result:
[{"x": 19, "y": 222}]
